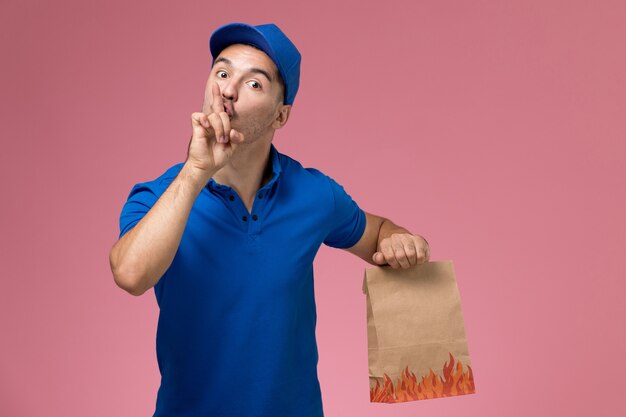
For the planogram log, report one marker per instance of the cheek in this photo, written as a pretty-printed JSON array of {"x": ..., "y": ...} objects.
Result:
[
  {"x": 255, "y": 119},
  {"x": 258, "y": 109}
]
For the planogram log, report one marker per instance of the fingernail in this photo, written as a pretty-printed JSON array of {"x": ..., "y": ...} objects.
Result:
[{"x": 222, "y": 139}]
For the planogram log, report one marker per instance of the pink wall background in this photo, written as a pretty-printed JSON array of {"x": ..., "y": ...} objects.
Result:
[{"x": 494, "y": 129}]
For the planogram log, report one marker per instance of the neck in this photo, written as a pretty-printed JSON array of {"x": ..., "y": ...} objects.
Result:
[{"x": 248, "y": 169}]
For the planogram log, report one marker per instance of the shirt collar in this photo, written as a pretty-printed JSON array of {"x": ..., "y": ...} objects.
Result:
[
  {"x": 275, "y": 158},
  {"x": 276, "y": 170}
]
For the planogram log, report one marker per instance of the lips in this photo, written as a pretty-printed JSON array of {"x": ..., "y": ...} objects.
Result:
[{"x": 228, "y": 109}]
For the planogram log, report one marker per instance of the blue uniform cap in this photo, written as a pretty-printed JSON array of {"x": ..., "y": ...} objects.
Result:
[{"x": 271, "y": 40}]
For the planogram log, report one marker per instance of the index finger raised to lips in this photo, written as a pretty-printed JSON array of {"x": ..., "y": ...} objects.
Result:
[{"x": 218, "y": 103}]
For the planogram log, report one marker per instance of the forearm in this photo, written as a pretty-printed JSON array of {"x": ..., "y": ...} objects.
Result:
[{"x": 141, "y": 257}]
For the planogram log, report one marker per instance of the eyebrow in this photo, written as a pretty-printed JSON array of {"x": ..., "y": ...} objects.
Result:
[{"x": 253, "y": 69}]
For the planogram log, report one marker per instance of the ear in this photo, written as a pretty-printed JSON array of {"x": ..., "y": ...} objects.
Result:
[{"x": 282, "y": 117}]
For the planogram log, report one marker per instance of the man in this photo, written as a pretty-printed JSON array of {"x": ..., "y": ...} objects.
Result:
[{"x": 227, "y": 239}]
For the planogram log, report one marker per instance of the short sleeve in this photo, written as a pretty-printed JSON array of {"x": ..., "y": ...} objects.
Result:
[
  {"x": 140, "y": 200},
  {"x": 348, "y": 220},
  {"x": 143, "y": 196}
]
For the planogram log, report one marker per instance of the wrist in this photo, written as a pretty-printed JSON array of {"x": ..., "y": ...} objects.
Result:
[
  {"x": 198, "y": 177},
  {"x": 387, "y": 228}
]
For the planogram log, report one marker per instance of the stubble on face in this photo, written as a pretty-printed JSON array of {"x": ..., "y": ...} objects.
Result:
[{"x": 253, "y": 112}]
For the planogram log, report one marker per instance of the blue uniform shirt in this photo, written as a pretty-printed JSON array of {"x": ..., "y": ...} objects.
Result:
[{"x": 236, "y": 329}]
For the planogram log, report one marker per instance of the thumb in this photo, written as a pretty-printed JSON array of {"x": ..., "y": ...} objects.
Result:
[
  {"x": 378, "y": 258},
  {"x": 236, "y": 136}
]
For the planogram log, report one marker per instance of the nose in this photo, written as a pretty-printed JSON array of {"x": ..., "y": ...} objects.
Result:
[{"x": 229, "y": 89}]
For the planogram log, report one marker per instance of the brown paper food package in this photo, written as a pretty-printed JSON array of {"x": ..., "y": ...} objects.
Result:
[{"x": 417, "y": 347}]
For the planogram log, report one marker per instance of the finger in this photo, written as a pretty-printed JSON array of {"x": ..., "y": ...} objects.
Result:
[
  {"x": 217, "y": 105},
  {"x": 199, "y": 119},
  {"x": 236, "y": 136},
  {"x": 411, "y": 251},
  {"x": 427, "y": 250},
  {"x": 225, "y": 124},
  {"x": 378, "y": 258},
  {"x": 423, "y": 249},
  {"x": 387, "y": 250},
  {"x": 422, "y": 256},
  {"x": 400, "y": 255},
  {"x": 216, "y": 124}
]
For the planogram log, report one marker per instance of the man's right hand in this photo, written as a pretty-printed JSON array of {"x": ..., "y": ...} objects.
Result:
[{"x": 212, "y": 141}]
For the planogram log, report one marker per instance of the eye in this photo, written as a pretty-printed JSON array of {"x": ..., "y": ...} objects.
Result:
[
  {"x": 221, "y": 74},
  {"x": 254, "y": 84}
]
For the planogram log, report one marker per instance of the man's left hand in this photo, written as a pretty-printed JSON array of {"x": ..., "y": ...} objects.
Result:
[{"x": 402, "y": 250}]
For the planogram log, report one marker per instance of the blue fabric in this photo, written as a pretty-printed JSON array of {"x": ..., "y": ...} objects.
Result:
[{"x": 236, "y": 329}]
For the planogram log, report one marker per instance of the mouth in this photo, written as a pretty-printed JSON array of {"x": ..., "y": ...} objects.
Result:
[{"x": 228, "y": 109}]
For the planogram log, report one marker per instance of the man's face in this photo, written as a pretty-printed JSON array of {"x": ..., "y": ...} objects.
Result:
[{"x": 249, "y": 82}]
